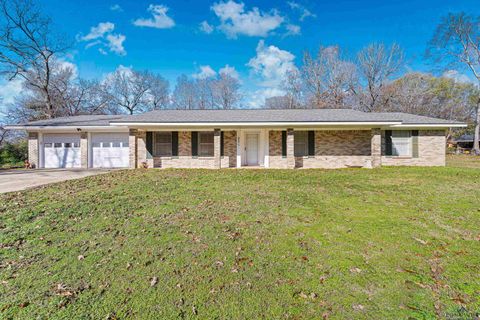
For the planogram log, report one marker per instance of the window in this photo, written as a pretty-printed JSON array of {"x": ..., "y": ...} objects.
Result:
[
  {"x": 96, "y": 144},
  {"x": 57, "y": 145},
  {"x": 116, "y": 144},
  {"x": 162, "y": 144},
  {"x": 67, "y": 145},
  {"x": 301, "y": 143},
  {"x": 205, "y": 144},
  {"x": 76, "y": 144},
  {"x": 106, "y": 144},
  {"x": 401, "y": 143},
  {"x": 47, "y": 145},
  {"x": 125, "y": 144}
]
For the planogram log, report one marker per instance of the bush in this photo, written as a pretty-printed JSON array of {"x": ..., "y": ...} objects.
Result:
[{"x": 13, "y": 154}]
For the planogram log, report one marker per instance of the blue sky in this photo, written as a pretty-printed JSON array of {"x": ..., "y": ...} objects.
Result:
[{"x": 258, "y": 39}]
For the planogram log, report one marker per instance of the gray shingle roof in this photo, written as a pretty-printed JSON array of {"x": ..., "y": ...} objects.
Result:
[
  {"x": 76, "y": 121},
  {"x": 241, "y": 115}
]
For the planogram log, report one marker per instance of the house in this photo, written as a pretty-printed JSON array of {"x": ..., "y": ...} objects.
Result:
[
  {"x": 462, "y": 143},
  {"x": 319, "y": 138}
]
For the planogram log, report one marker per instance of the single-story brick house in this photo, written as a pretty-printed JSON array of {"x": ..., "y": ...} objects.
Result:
[{"x": 319, "y": 138}]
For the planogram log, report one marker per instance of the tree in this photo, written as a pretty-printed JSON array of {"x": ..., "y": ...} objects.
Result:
[
  {"x": 184, "y": 93},
  {"x": 158, "y": 94},
  {"x": 226, "y": 91},
  {"x": 28, "y": 49},
  {"x": 293, "y": 87},
  {"x": 326, "y": 77},
  {"x": 456, "y": 42},
  {"x": 377, "y": 64},
  {"x": 127, "y": 90}
]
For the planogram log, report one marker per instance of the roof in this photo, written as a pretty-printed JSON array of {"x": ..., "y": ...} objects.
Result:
[
  {"x": 464, "y": 138},
  {"x": 75, "y": 121},
  {"x": 240, "y": 116}
]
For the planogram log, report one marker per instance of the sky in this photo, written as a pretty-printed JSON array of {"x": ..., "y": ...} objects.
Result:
[{"x": 256, "y": 41}]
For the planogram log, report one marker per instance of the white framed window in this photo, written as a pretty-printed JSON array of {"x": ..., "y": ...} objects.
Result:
[
  {"x": 162, "y": 144},
  {"x": 205, "y": 144},
  {"x": 301, "y": 143},
  {"x": 401, "y": 143}
]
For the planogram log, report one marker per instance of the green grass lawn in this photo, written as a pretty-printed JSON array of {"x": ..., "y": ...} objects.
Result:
[{"x": 388, "y": 243}]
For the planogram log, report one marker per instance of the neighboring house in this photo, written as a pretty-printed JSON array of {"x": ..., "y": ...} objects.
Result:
[
  {"x": 463, "y": 142},
  {"x": 319, "y": 138}
]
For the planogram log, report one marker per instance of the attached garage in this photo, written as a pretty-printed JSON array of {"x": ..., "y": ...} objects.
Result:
[
  {"x": 61, "y": 150},
  {"x": 109, "y": 150}
]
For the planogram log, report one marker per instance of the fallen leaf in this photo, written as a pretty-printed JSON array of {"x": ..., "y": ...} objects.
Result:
[
  {"x": 355, "y": 270},
  {"x": 420, "y": 241},
  {"x": 154, "y": 281},
  {"x": 80, "y": 257},
  {"x": 358, "y": 307}
]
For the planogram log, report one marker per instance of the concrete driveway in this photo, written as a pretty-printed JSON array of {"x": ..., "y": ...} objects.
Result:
[{"x": 15, "y": 180}]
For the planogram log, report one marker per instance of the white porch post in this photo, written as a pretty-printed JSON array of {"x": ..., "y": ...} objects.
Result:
[
  {"x": 239, "y": 149},
  {"x": 266, "y": 163}
]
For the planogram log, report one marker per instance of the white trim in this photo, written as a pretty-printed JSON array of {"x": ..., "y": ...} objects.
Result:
[
  {"x": 239, "y": 150},
  {"x": 69, "y": 128},
  {"x": 440, "y": 126}
]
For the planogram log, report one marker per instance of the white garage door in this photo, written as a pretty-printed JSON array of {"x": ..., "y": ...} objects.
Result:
[
  {"x": 61, "y": 150},
  {"x": 110, "y": 150}
]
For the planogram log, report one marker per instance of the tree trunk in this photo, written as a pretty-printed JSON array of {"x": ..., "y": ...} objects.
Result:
[{"x": 476, "y": 137}]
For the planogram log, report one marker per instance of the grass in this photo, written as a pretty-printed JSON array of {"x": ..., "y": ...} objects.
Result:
[{"x": 389, "y": 243}]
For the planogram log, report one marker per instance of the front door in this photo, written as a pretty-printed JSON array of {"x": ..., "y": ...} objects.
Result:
[{"x": 252, "y": 149}]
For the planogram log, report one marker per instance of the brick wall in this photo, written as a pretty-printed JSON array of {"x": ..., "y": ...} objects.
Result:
[
  {"x": 229, "y": 159},
  {"x": 339, "y": 149},
  {"x": 276, "y": 160},
  {"x": 431, "y": 150},
  {"x": 84, "y": 150}
]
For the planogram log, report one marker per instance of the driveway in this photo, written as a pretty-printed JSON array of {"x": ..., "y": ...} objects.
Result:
[{"x": 15, "y": 180}]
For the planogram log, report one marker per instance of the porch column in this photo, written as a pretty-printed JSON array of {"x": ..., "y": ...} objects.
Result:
[
  {"x": 217, "y": 148},
  {"x": 84, "y": 150},
  {"x": 141, "y": 148},
  {"x": 239, "y": 149},
  {"x": 33, "y": 148},
  {"x": 132, "y": 146},
  {"x": 376, "y": 145},
  {"x": 290, "y": 149}
]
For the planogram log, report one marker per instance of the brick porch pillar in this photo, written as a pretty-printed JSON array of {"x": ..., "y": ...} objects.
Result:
[
  {"x": 84, "y": 150},
  {"x": 132, "y": 146},
  {"x": 33, "y": 149},
  {"x": 141, "y": 148},
  {"x": 217, "y": 134},
  {"x": 290, "y": 149},
  {"x": 376, "y": 145}
]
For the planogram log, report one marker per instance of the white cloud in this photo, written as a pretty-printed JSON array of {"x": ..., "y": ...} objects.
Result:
[
  {"x": 305, "y": 13},
  {"x": 205, "y": 72},
  {"x": 231, "y": 71},
  {"x": 102, "y": 35},
  {"x": 293, "y": 30},
  {"x": 272, "y": 64},
  {"x": 234, "y": 20},
  {"x": 116, "y": 7},
  {"x": 115, "y": 43},
  {"x": 206, "y": 27},
  {"x": 457, "y": 76},
  {"x": 160, "y": 19},
  {"x": 9, "y": 90},
  {"x": 99, "y": 31}
]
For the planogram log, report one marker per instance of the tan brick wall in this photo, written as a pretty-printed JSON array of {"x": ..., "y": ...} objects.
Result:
[
  {"x": 229, "y": 159},
  {"x": 339, "y": 149},
  {"x": 84, "y": 150},
  {"x": 376, "y": 148},
  {"x": 132, "y": 144},
  {"x": 275, "y": 150},
  {"x": 33, "y": 149},
  {"x": 431, "y": 150}
]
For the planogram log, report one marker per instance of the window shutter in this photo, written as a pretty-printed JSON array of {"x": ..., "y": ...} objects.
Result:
[
  {"x": 221, "y": 143},
  {"x": 194, "y": 143},
  {"x": 149, "y": 144},
  {"x": 174, "y": 143},
  {"x": 311, "y": 143},
  {"x": 388, "y": 142},
  {"x": 415, "y": 143},
  {"x": 284, "y": 143}
]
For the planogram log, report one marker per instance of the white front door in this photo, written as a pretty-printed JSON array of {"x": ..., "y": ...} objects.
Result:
[
  {"x": 110, "y": 150},
  {"x": 252, "y": 149},
  {"x": 61, "y": 150}
]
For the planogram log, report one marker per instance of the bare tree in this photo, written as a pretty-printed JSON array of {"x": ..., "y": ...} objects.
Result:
[
  {"x": 377, "y": 64},
  {"x": 456, "y": 42},
  {"x": 28, "y": 48},
  {"x": 226, "y": 91},
  {"x": 3, "y": 135},
  {"x": 293, "y": 87},
  {"x": 158, "y": 94},
  {"x": 326, "y": 77},
  {"x": 128, "y": 90},
  {"x": 184, "y": 93}
]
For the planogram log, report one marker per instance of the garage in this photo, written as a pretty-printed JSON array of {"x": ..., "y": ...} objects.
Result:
[
  {"x": 61, "y": 150},
  {"x": 109, "y": 150}
]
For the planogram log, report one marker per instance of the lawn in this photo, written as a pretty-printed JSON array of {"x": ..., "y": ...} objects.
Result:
[{"x": 388, "y": 243}]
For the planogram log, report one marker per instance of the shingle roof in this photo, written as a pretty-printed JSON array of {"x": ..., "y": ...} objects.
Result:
[
  {"x": 76, "y": 121},
  {"x": 241, "y": 116}
]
